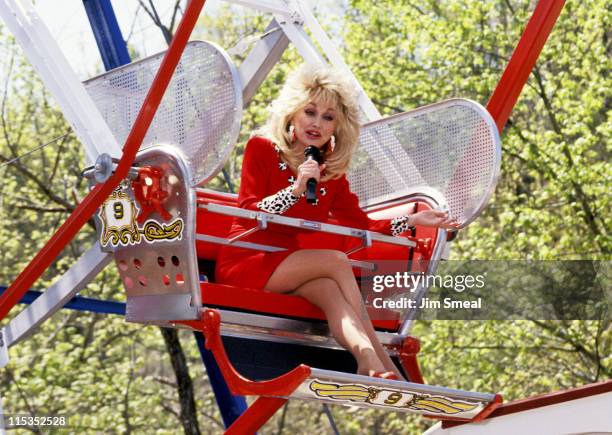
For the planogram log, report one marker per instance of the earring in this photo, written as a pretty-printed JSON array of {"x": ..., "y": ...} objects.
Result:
[
  {"x": 332, "y": 143},
  {"x": 292, "y": 133}
]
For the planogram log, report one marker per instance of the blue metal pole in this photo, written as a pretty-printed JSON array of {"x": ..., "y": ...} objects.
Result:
[
  {"x": 79, "y": 303},
  {"x": 107, "y": 33},
  {"x": 231, "y": 406}
]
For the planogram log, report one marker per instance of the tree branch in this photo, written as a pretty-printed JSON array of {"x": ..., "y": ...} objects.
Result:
[{"x": 583, "y": 198}]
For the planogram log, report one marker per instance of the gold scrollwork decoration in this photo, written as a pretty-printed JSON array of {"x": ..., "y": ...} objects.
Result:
[
  {"x": 153, "y": 230},
  {"x": 391, "y": 398},
  {"x": 122, "y": 209}
]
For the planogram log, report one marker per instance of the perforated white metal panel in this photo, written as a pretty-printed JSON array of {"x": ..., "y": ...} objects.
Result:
[
  {"x": 200, "y": 111},
  {"x": 450, "y": 150}
]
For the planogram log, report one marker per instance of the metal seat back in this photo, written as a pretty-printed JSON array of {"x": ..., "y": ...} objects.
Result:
[
  {"x": 200, "y": 112},
  {"x": 188, "y": 142},
  {"x": 450, "y": 151}
]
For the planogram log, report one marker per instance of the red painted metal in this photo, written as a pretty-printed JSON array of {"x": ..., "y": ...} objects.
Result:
[
  {"x": 545, "y": 400},
  {"x": 283, "y": 385},
  {"x": 96, "y": 197},
  {"x": 149, "y": 193},
  {"x": 409, "y": 349},
  {"x": 489, "y": 408},
  {"x": 255, "y": 416},
  {"x": 523, "y": 60},
  {"x": 216, "y": 224}
]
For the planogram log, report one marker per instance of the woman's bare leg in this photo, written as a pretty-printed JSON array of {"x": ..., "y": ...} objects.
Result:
[
  {"x": 308, "y": 264},
  {"x": 344, "y": 323}
]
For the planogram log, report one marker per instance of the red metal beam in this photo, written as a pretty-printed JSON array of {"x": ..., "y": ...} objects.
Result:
[
  {"x": 408, "y": 351},
  {"x": 255, "y": 416},
  {"x": 96, "y": 197},
  {"x": 265, "y": 406},
  {"x": 523, "y": 60},
  {"x": 543, "y": 400},
  {"x": 284, "y": 385}
]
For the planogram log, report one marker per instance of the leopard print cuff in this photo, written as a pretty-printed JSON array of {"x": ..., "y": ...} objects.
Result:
[
  {"x": 280, "y": 202},
  {"x": 400, "y": 225}
]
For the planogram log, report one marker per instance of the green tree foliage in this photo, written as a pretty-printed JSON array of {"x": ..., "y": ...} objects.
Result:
[{"x": 552, "y": 202}]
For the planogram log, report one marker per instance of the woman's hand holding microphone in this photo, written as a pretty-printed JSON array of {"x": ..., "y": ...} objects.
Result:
[{"x": 307, "y": 170}]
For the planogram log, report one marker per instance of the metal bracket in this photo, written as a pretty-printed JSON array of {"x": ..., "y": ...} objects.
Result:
[
  {"x": 366, "y": 242},
  {"x": 104, "y": 167},
  {"x": 262, "y": 224},
  {"x": 296, "y": 18}
]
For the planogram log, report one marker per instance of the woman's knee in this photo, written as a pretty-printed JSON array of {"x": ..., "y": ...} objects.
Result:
[
  {"x": 336, "y": 261},
  {"x": 320, "y": 291}
]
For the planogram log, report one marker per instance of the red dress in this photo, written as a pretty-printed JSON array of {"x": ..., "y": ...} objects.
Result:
[{"x": 264, "y": 174}]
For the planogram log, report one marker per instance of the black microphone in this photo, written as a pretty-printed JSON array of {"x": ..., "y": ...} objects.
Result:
[{"x": 312, "y": 153}]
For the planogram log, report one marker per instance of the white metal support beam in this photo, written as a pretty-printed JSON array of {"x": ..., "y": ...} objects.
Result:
[
  {"x": 335, "y": 57},
  {"x": 277, "y": 7},
  {"x": 4, "y": 357},
  {"x": 47, "y": 58},
  {"x": 262, "y": 58},
  {"x": 56, "y": 296},
  {"x": 293, "y": 28}
]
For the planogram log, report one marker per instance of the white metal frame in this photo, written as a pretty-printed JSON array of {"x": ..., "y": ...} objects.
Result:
[
  {"x": 47, "y": 58},
  {"x": 292, "y": 16},
  {"x": 57, "y": 295}
]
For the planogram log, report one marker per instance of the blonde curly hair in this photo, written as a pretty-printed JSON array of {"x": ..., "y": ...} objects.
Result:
[{"x": 327, "y": 86}]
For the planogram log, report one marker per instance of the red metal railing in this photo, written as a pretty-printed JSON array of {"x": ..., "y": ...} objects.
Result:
[
  {"x": 523, "y": 60},
  {"x": 100, "y": 192}
]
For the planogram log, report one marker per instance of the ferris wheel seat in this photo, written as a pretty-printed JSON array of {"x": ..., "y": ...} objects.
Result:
[{"x": 246, "y": 300}]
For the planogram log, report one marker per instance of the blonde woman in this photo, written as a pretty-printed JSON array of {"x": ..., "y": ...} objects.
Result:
[{"x": 316, "y": 107}]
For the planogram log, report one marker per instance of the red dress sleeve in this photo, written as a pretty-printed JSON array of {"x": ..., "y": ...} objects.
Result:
[
  {"x": 345, "y": 208},
  {"x": 258, "y": 153},
  {"x": 260, "y": 159}
]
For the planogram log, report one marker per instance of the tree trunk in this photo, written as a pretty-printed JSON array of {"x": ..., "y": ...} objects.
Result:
[{"x": 188, "y": 414}]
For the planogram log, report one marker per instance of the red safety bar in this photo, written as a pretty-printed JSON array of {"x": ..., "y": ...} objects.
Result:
[
  {"x": 100, "y": 192},
  {"x": 523, "y": 60}
]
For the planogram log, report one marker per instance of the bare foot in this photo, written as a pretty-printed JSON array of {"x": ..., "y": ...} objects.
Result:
[{"x": 368, "y": 364}]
